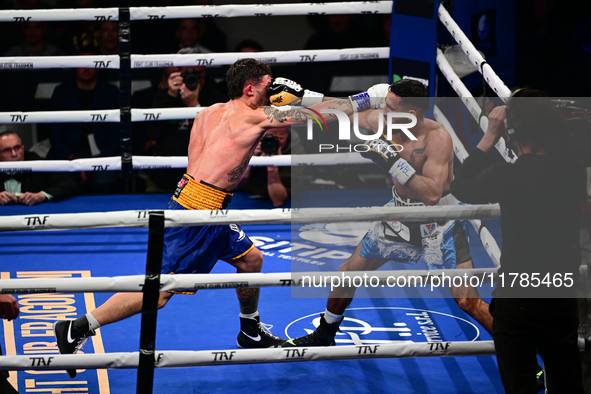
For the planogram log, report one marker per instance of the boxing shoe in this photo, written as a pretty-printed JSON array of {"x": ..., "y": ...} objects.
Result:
[
  {"x": 254, "y": 335},
  {"x": 322, "y": 336},
  {"x": 71, "y": 336}
]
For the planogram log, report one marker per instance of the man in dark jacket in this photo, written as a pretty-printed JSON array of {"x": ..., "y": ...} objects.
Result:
[
  {"x": 541, "y": 195},
  {"x": 69, "y": 141},
  {"x": 30, "y": 188}
]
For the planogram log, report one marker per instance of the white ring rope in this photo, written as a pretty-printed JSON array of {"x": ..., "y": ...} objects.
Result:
[
  {"x": 176, "y": 359},
  {"x": 475, "y": 57},
  {"x": 37, "y": 62},
  {"x": 99, "y": 115},
  {"x": 82, "y": 116},
  {"x": 175, "y": 218},
  {"x": 467, "y": 98},
  {"x": 197, "y": 59},
  {"x": 227, "y": 58},
  {"x": 154, "y": 162},
  {"x": 194, "y": 282},
  {"x": 240, "y": 10},
  {"x": 153, "y": 114},
  {"x": 60, "y": 15},
  {"x": 227, "y": 11}
]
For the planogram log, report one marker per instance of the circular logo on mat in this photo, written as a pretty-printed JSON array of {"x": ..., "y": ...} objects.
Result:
[{"x": 388, "y": 325}]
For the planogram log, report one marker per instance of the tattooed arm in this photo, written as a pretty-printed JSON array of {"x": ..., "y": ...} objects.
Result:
[{"x": 299, "y": 116}]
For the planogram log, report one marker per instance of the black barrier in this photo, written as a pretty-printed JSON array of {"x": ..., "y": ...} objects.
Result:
[
  {"x": 151, "y": 290},
  {"x": 125, "y": 93}
]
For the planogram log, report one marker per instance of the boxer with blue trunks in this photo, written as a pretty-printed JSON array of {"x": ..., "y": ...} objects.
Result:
[
  {"x": 196, "y": 249},
  {"x": 437, "y": 244},
  {"x": 223, "y": 140},
  {"x": 419, "y": 157}
]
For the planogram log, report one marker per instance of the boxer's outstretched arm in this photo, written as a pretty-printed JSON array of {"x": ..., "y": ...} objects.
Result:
[{"x": 270, "y": 117}]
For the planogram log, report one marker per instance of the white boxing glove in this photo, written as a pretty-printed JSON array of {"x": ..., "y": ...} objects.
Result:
[
  {"x": 377, "y": 94},
  {"x": 374, "y": 98}
]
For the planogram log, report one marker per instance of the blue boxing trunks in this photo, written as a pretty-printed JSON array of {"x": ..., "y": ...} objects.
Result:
[
  {"x": 438, "y": 244},
  {"x": 196, "y": 249}
]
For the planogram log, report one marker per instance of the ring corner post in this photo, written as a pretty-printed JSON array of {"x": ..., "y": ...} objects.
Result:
[
  {"x": 413, "y": 41},
  {"x": 125, "y": 94},
  {"x": 151, "y": 291}
]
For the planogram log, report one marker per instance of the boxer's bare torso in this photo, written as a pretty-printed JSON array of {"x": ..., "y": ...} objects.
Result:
[
  {"x": 225, "y": 135},
  {"x": 431, "y": 155},
  {"x": 223, "y": 139}
]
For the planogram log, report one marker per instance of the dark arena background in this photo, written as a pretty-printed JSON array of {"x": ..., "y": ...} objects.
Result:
[{"x": 85, "y": 85}]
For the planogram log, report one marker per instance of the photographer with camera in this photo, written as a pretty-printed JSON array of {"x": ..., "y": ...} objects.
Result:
[
  {"x": 187, "y": 87},
  {"x": 273, "y": 182}
]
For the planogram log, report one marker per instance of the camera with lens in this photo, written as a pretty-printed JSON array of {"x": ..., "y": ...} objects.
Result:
[
  {"x": 191, "y": 78},
  {"x": 270, "y": 144}
]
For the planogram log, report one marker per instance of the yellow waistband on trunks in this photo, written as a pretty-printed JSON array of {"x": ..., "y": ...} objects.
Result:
[{"x": 200, "y": 195}]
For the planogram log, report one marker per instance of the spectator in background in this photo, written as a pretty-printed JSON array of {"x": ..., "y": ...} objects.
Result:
[
  {"x": 381, "y": 33},
  {"x": 336, "y": 32},
  {"x": 171, "y": 138},
  {"x": 273, "y": 182},
  {"x": 108, "y": 38},
  {"x": 69, "y": 141},
  {"x": 145, "y": 99},
  {"x": 9, "y": 310},
  {"x": 212, "y": 37},
  {"x": 10, "y": 32},
  {"x": 188, "y": 33},
  {"x": 25, "y": 82},
  {"x": 30, "y": 188},
  {"x": 34, "y": 42},
  {"x": 249, "y": 46},
  {"x": 80, "y": 36}
]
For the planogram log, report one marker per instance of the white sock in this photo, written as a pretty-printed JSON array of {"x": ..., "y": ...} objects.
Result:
[
  {"x": 331, "y": 318},
  {"x": 250, "y": 315},
  {"x": 92, "y": 322}
]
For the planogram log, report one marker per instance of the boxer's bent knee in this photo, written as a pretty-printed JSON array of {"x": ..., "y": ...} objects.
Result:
[{"x": 250, "y": 262}]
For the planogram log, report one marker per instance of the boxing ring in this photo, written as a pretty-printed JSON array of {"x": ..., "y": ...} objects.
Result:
[{"x": 72, "y": 261}]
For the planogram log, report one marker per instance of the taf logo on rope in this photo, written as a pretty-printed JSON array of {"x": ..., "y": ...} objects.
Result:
[
  {"x": 36, "y": 221},
  {"x": 18, "y": 118},
  {"x": 204, "y": 62},
  {"x": 307, "y": 58},
  {"x": 439, "y": 348},
  {"x": 101, "y": 63},
  {"x": 99, "y": 117},
  {"x": 152, "y": 116}
]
